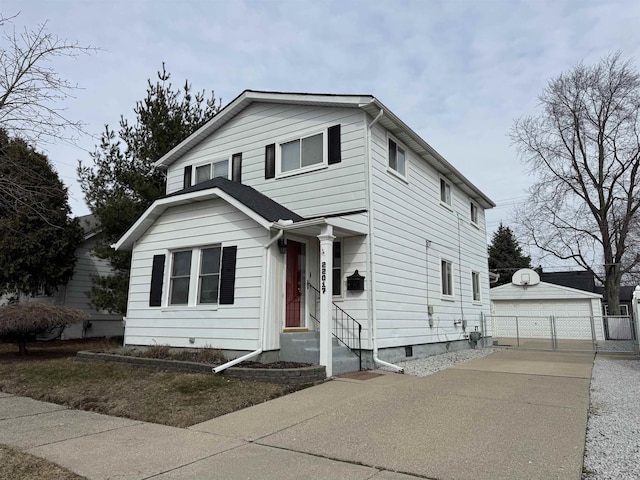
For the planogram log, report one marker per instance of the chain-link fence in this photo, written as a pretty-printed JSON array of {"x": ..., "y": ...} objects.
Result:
[{"x": 602, "y": 333}]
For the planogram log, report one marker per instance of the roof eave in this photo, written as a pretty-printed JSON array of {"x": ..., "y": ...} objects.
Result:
[
  {"x": 427, "y": 152},
  {"x": 244, "y": 100}
]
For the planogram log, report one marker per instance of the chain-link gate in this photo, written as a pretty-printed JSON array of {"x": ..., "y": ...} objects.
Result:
[{"x": 602, "y": 333}]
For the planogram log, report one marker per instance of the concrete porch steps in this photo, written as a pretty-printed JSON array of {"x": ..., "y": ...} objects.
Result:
[{"x": 304, "y": 347}]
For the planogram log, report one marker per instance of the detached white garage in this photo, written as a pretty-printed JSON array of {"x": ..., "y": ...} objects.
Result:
[{"x": 528, "y": 308}]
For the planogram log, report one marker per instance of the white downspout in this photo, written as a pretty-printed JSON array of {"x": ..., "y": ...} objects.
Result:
[
  {"x": 372, "y": 299},
  {"x": 263, "y": 308}
]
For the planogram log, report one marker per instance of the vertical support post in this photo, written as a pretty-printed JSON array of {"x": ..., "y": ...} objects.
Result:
[
  {"x": 552, "y": 322},
  {"x": 635, "y": 306},
  {"x": 326, "y": 288},
  {"x": 517, "y": 332},
  {"x": 593, "y": 333}
]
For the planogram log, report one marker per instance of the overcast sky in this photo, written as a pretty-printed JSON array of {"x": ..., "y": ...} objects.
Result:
[{"x": 457, "y": 72}]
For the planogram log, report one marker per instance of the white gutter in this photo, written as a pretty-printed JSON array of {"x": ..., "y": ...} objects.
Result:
[
  {"x": 263, "y": 307},
  {"x": 372, "y": 297}
]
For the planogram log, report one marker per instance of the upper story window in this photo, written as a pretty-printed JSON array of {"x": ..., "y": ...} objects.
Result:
[
  {"x": 211, "y": 170},
  {"x": 302, "y": 154},
  {"x": 397, "y": 158},
  {"x": 474, "y": 213},
  {"x": 445, "y": 192}
]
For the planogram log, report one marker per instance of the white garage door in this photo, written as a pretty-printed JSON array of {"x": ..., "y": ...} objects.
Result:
[{"x": 572, "y": 318}]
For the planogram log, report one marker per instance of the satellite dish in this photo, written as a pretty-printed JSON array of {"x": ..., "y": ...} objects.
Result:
[{"x": 525, "y": 277}]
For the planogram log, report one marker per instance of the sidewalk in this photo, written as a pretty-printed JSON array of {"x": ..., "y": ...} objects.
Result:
[{"x": 512, "y": 415}]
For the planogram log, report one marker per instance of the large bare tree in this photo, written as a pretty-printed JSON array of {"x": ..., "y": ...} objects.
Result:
[
  {"x": 32, "y": 98},
  {"x": 584, "y": 149}
]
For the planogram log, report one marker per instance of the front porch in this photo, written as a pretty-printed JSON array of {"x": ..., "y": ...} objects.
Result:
[{"x": 312, "y": 276}]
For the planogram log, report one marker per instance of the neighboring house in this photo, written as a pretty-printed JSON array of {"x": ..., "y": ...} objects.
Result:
[
  {"x": 524, "y": 307},
  {"x": 584, "y": 280},
  {"x": 74, "y": 293},
  {"x": 288, "y": 213}
]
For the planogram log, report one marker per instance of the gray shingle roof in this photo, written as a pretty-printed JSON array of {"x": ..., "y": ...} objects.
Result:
[{"x": 261, "y": 204}]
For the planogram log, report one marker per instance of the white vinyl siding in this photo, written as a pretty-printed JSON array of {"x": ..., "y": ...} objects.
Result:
[
  {"x": 408, "y": 278},
  {"x": 333, "y": 189},
  {"x": 198, "y": 225}
]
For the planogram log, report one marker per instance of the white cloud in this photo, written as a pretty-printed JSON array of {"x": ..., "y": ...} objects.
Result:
[{"x": 458, "y": 72}]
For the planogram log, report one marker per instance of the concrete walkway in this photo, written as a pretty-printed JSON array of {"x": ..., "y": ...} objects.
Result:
[{"x": 513, "y": 415}]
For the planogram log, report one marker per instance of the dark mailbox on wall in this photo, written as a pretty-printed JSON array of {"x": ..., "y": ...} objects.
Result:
[{"x": 355, "y": 281}]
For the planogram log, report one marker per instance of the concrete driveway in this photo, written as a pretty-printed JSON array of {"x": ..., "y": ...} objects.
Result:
[{"x": 513, "y": 415}]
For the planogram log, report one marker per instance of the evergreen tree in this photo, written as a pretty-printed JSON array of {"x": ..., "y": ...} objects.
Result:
[
  {"x": 505, "y": 255},
  {"x": 38, "y": 238},
  {"x": 123, "y": 182}
]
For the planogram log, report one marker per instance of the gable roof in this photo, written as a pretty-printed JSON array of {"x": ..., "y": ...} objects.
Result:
[
  {"x": 249, "y": 201},
  {"x": 367, "y": 103},
  {"x": 539, "y": 291}
]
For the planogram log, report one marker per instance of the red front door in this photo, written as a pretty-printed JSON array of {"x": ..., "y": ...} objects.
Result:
[{"x": 295, "y": 285}]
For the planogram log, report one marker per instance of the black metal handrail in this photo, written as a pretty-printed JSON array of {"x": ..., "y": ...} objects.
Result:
[{"x": 346, "y": 329}]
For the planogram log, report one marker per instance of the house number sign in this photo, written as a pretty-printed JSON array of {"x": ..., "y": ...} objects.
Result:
[{"x": 323, "y": 277}]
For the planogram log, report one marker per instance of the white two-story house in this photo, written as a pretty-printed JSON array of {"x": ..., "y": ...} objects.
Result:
[{"x": 297, "y": 223}]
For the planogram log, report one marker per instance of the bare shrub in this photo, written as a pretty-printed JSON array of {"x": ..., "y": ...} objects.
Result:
[{"x": 22, "y": 322}]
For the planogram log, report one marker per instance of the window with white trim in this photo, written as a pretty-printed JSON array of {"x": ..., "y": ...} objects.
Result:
[
  {"x": 446, "y": 278},
  {"x": 209, "y": 275},
  {"x": 475, "y": 286},
  {"x": 397, "y": 158},
  {"x": 180, "y": 278},
  {"x": 474, "y": 213},
  {"x": 302, "y": 154},
  {"x": 204, "y": 278},
  {"x": 337, "y": 268},
  {"x": 211, "y": 170},
  {"x": 445, "y": 192}
]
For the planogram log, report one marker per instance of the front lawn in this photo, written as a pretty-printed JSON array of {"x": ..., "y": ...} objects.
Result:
[
  {"x": 50, "y": 373},
  {"x": 15, "y": 464}
]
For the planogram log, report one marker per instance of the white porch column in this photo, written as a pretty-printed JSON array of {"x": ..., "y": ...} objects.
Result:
[{"x": 326, "y": 297}]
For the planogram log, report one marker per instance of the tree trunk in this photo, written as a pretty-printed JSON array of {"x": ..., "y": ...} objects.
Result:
[
  {"x": 612, "y": 291},
  {"x": 22, "y": 347}
]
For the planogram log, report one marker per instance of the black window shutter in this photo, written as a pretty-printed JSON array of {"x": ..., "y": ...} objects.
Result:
[
  {"x": 270, "y": 161},
  {"x": 236, "y": 167},
  {"x": 157, "y": 275},
  {"x": 228, "y": 275},
  {"x": 335, "y": 149},
  {"x": 187, "y": 177}
]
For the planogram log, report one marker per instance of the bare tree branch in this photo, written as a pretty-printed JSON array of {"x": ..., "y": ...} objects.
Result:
[{"x": 584, "y": 149}]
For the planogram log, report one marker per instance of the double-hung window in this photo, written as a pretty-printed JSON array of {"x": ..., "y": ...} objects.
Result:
[
  {"x": 208, "y": 171},
  {"x": 474, "y": 213},
  {"x": 204, "y": 280},
  {"x": 209, "y": 275},
  {"x": 475, "y": 286},
  {"x": 446, "y": 276},
  {"x": 397, "y": 158},
  {"x": 445, "y": 192},
  {"x": 302, "y": 154},
  {"x": 180, "y": 278}
]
